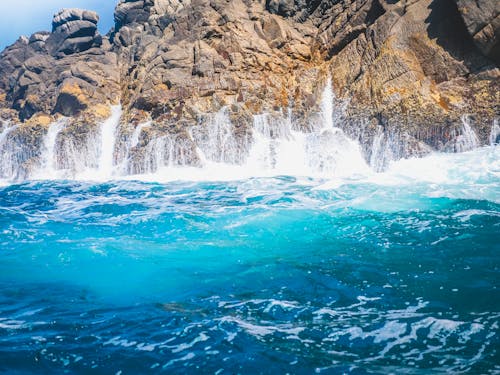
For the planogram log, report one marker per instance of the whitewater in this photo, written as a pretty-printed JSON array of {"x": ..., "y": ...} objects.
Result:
[{"x": 282, "y": 252}]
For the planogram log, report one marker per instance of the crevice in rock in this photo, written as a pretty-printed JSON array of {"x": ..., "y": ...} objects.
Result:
[
  {"x": 373, "y": 14},
  {"x": 375, "y": 11},
  {"x": 68, "y": 105},
  {"x": 344, "y": 42},
  {"x": 448, "y": 29}
]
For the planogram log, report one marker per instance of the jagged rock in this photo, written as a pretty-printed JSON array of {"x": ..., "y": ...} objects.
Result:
[
  {"x": 34, "y": 74},
  {"x": 482, "y": 19},
  {"x": 37, "y": 41},
  {"x": 73, "y": 31},
  {"x": 130, "y": 11},
  {"x": 409, "y": 67},
  {"x": 68, "y": 15},
  {"x": 285, "y": 8},
  {"x": 71, "y": 98}
]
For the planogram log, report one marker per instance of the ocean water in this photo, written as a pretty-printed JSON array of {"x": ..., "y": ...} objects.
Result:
[{"x": 374, "y": 273}]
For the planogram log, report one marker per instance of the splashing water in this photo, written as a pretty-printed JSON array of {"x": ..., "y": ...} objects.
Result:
[
  {"x": 48, "y": 168},
  {"x": 107, "y": 145},
  {"x": 215, "y": 149},
  {"x": 327, "y": 102},
  {"x": 468, "y": 139},
  {"x": 495, "y": 133},
  {"x": 6, "y": 165},
  {"x": 388, "y": 273},
  {"x": 329, "y": 267},
  {"x": 280, "y": 149},
  {"x": 134, "y": 140},
  {"x": 382, "y": 150},
  {"x": 216, "y": 141},
  {"x": 6, "y": 129}
]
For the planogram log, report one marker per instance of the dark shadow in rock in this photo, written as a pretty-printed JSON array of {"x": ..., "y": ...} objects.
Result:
[
  {"x": 447, "y": 27},
  {"x": 68, "y": 105}
]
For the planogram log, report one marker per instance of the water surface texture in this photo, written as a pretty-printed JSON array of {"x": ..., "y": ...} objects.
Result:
[{"x": 373, "y": 274}]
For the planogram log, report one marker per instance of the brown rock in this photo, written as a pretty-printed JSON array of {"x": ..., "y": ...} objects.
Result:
[{"x": 412, "y": 67}]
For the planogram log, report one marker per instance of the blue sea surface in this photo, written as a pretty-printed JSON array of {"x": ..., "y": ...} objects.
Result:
[{"x": 264, "y": 275}]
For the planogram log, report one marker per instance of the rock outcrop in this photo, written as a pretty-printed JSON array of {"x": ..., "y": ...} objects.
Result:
[
  {"x": 482, "y": 19},
  {"x": 409, "y": 69},
  {"x": 414, "y": 70},
  {"x": 64, "y": 72}
]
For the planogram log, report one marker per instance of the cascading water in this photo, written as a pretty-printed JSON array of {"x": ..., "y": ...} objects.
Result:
[
  {"x": 217, "y": 141},
  {"x": 6, "y": 128},
  {"x": 48, "y": 167},
  {"x": 269, "y": 136},
  {"x": 467, "y": 140},
  {"x": 213, "y": 149},
  {"x": 329, "y": 151},
  {"x": 383, "y": 150},
  {"x": 327, "y": 103},
  {"x": 134, "y": 140},
  {"x": 276, "y": 147},
  {"x": 324, "y": 151},
  {"x": 88, "y": 157},
  {"x": 8, "y": 160},
  {"x": 495, "y": 133},
  {"x": 108, "y": 133},
  {"x": 377, "y": 148}
]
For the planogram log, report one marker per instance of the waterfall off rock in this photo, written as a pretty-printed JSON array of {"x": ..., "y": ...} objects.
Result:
[
  {"x": 49, "y": 156},
  {"x": 327, "y": 105},
  {"x": 217, "y": 141},
  {"x": 495, "y": 133},
  {"x": 134, "y": 140},
  {"x": 9, "y": 165},
  {"x": 108, "y": 134},
  {"x": 213, "y": 149},
  {"x": 467, "y": 140}
]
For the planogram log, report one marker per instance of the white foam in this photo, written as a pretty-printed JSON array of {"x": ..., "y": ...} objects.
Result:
[
  {"x": 262, "y": 330},
  {"x": 48, "y": 167},
  {"x": 495, "y": 133},
  {"x": 181, "y": 347},
  {"x": 275, "y": 146},
  {"x": 8, "y": 164},
  {"x": 107, "y": 144},
  {"x": 468, "y": 139},
  {"x": 327, "y": 105},
  {"x": 134, "y": 140}
]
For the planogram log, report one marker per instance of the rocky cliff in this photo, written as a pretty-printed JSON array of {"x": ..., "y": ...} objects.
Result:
[{"x": 404, "y": 72}]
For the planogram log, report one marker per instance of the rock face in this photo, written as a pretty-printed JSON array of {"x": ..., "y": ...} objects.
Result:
[
  {"x": 482, "y": 19},
  {"x": 405, "y": 70},
  {"x": 63, "y": 72},
  {"x": 414, "y": 70}
]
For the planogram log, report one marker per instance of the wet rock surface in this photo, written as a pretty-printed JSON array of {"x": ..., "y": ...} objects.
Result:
[{"x": 406, "y": 69}]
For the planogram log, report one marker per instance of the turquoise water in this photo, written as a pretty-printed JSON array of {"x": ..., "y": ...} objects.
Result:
[{"x": 393, "y": 273}]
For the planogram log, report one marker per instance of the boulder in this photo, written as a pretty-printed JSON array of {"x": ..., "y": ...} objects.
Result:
[
  {"x": 73, "y": 31},
  {"x": 68, "y": 15}
]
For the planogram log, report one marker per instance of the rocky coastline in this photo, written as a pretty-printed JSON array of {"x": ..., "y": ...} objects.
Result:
[{"x": 412, "y": 76}]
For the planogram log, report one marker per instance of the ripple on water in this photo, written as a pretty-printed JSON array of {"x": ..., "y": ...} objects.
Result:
[{"x": 256, "y": 276}]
